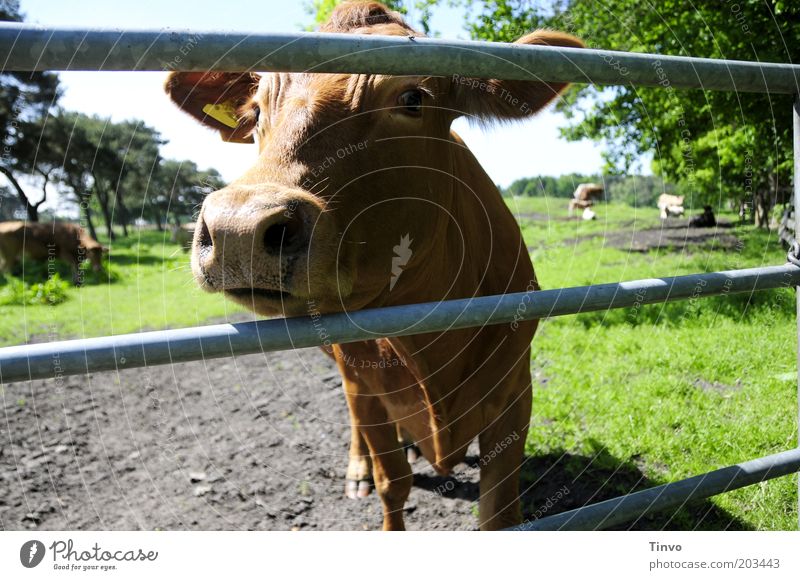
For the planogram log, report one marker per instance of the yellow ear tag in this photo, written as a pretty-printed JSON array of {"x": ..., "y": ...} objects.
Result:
[{"x": 225, "y": 113}]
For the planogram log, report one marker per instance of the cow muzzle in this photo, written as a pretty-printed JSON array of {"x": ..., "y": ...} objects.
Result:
[{"x": 251, "y": 245}]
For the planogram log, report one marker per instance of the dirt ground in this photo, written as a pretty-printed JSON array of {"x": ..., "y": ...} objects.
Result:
[
  {"x": 674, "y": 234},
  {"x": 256, "y": 442}
]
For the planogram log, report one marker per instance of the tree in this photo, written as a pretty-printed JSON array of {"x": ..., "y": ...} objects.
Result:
[
  {"x": 71, "y": 141},
  {"x": 9, "y": 204},
  {"x": 25, "y": 103},
  {"x": 105, "y": 166},
  {"x": 713, "y": 145},
  {"x": 178, "y": 189},
  {"x": 126, "y": 153}
]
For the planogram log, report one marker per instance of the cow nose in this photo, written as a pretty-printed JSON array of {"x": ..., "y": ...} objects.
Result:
[
  {"x": 281, "y": 231},
  {"x": 243, "y": 247},
  {"x": 285, "y": 232}
]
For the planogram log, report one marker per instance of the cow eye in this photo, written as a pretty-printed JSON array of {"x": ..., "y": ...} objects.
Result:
[{"x": 411, "y": 101}]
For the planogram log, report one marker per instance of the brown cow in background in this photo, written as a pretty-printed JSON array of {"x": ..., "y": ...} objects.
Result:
[
  {"x": 361, "y": 197},
  {"x": 40, "y": 241}
]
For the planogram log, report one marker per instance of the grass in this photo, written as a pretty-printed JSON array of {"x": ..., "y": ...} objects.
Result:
[
  {"x": 150, "y": 287},
  {"x": 657, "y": 393},
  {"x": 676, "y": 389}
]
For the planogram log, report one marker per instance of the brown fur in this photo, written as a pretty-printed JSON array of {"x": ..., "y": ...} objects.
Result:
[
  {"x": 40, "y": 241},
  {"x": 345, "y": 216}
]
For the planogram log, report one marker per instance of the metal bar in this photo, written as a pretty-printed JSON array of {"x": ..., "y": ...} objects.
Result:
[
  {"x": 620, "y": 510},
  {"x": 796, "y": 181},
  {"x": 28, "y": 47},
  {"x": 57, "y": 359}
]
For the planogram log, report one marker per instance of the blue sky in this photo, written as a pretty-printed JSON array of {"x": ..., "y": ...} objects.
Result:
[{"x": 527, "y": 148}]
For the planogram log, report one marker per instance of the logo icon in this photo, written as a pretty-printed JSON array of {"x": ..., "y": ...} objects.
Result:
[
  {"x": 31, "y": 553},
  {"x": 402, "y": 254}
]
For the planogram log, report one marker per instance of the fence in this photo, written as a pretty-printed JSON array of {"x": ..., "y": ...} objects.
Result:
[{"x": 31, "y": 48}]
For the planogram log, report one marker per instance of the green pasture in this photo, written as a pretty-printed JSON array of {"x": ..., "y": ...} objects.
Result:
[
  {"x": 640, "y": 397},
  {"x": 152, "y": 289}
]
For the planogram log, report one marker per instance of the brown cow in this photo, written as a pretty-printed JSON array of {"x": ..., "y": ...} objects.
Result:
[
  {"x": 362, "y": 197},
  {"x": 41, "y": 241}
]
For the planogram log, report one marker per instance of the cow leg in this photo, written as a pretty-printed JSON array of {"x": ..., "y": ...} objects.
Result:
[
  {"x": 8, "y": 262},
  {"x": 358, "y": 482},
  {"x": 390, "y": 469},
  {"x": 72, "y": 260},
  {"x": 502, "y": 446}
]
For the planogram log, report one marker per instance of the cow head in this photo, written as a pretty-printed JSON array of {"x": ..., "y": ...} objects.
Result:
[
  {"x": 348, "y": 166},
  {"x": 92, "y": 251}
]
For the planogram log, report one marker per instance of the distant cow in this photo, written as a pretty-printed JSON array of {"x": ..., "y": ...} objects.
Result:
[
  {"x": 705, "y": 219},
  {"x": 183, "y": 235},
  {"x": 584, "y": 196},
  {"x": 670, "y": 205},
  {"x": 41, "y": 241},
  {"x": 360, "y": 197}
]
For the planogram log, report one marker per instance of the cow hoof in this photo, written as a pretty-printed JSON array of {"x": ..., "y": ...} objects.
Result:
[
  {"x": 357, "y": 489},
  {"x": 412, "y": 453}
]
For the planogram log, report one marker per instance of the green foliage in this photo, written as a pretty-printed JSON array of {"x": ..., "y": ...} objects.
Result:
[
  {"x": 561, "y": 186},
  {"x": 109, "y": 274},
  {"x": 50, "y": 292},
  {"x": 26, "y": 99},
  {"x": 714, "y": 146},
  {"x": 152, "y": 287},
  {"x": 113, "y": 169},
  {"x": 634, "y": 190},
  {"x": 177, "y": 189},
  {"x": 116, "y": 170},
  {"x": 672, "y": 389},
  {"x": 46, "y": 283}
]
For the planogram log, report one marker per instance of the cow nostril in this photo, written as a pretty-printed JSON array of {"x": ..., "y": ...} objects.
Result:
[
  {"x": 284, "y": 236},
  {"x": 205, "y": 240}
]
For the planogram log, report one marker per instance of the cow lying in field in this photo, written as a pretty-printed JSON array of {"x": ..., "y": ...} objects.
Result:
[
  {"x": 705, "y": 219},
  {"x": 40, "y": 241},
  {"x": 584, "y": 197},
  {"x": 361, "y": 196},
  {"x": 670, "y": 205}
]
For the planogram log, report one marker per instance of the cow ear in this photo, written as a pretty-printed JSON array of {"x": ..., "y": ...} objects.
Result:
[
  {"x": 218, "y": 100},
  {"x": 494, "y": 99}
]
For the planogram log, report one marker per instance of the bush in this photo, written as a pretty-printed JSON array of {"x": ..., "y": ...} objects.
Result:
[{"x": 16, "y": 292}]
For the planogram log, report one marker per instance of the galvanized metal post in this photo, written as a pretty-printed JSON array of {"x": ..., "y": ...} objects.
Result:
[
  {"x": 796, "y": 179},
  {"x": 26, "y": 47},
  {"x": 125, "y": 351}
]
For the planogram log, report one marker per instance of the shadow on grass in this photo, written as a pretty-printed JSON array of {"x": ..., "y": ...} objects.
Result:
[
  {"x": 558, "y": 482},
  {"x": 140, "y": 259}
]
